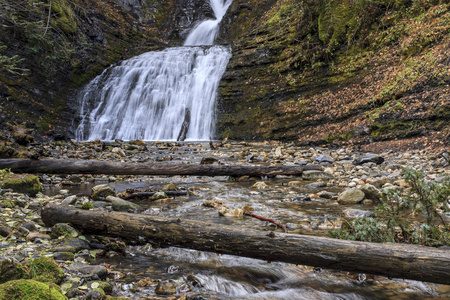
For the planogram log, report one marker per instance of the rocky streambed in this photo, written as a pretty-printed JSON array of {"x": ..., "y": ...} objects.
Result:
[{"x": 96, "y": 267}]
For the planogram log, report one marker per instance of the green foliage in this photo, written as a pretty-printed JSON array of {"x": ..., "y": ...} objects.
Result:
[
  {"x": 5, "y": 173},
  {"x": 391, "y": 221},
  {"x": 11, "y": 64},
  {"x": 87, "y": 205}
]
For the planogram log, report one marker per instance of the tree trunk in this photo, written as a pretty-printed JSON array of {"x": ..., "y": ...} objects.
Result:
[
  {"x": 393, "y": 260},
  {"x": 73, "y": 166}
]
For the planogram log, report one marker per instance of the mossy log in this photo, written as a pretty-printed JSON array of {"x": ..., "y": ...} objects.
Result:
[
  {"x": 393, "y": 260},
  {"x": 73, "y": 166}
]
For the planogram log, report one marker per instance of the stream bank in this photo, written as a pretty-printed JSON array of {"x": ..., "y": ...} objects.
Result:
[{"x": 305, "y": 205}]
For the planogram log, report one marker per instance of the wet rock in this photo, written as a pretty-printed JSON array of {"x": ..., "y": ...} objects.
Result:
[
  {"x": 119, "y": 204},
  {"x": 314, "y": 175},
  {"x": 327, "y": 195},
  {"x": 100, "y": 192},
  {"x": 295, "y": 182},
  {"x": 89, "y": 270},
  {"x": 351, "y": 196},
  {"x": 357, "y": 213},
  {"x": 74, "y": 245},
  {"x": 5, "y": 231},
  {"x": 169, "y": 187},
  {"x": 63, "y": 256},
  {"x": 369, "y": 158},
  {"x": 371, "y": 192},
  {"x": 228, "y": 212},
  {"x": 214, "y": 204},
  {"x": 315, "y": 185},
  {"x": 118, "y": 151},
  {"x": 104, "y": 286},
  {"x": 166, "y": 288},
  {"x": 323, "y": 159},
  {"x": 22, "y": 183},
  {"x": 70, "y": 200},
  {"x": 159, "y": 195},
  {"x": 260, "y": 185},
  {"x": 301, "y": 162},
  {"x": 63, "y": 229}
]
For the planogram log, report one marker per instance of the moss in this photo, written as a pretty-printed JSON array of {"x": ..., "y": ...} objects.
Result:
[
  {"x": 87, "y": 205},
  {"x": 7, "y": 204},
  {"x": 65, "y": 17},
  {"x": 20, "y": 183},
  {"x": 10, "y": 269},
  {"x": 29, "y": 290},
  {"x": 45, "y": 269}
]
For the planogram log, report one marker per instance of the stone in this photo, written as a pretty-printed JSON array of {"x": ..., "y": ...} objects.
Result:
[
  {"x": 5, "y": 231},
  {"x": 315, "y": 185},
  {"x": 166, "y": 288},
  {"x": 351, "y": 196},
  {"x": 369, "y": 158},
  {"x": 314, "y": 175},
  {"x": 260, "y": 185},
  {"x": 90, "y": 270},
  {"x": 119, "y": 204},
  {"x": 228, "y": 212},
  {"x": 159, "y": 195},
  {"x": 100, "y": 192},
  {"x": 118, "y": 151},
  {"x": 22, "y": 183},
  {"x": 70, "y": 200},
  {"x": 371, "y": 192},
  {"x": 74, "y": 245},
  {"x": 323, "y": 159},
  {"x": 357, "y": 213},
  {"x": 169, "y": 187},
  {"x": 63, "y": 229},
  {"x": 64, "y": 256},
  {"x": 32, "y": 236},
  {"x": 209, "y": 161}
]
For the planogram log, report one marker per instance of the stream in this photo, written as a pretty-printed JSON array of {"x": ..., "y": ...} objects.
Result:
[{"x": 288, "y": 200}]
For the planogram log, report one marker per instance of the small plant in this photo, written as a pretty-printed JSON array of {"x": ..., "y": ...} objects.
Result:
[
  {"x": 87, "y": 206},
  {"x": 5, "y": 173},
  {"x": 391, "y": 223}
]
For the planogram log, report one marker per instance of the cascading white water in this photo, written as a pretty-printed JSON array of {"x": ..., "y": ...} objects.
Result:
[{"x": 147, "y": 97}]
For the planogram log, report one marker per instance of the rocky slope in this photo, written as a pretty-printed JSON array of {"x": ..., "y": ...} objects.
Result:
[{"x": 337, "y": 72}]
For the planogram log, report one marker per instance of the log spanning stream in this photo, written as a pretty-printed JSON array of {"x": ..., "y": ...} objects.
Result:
[
  {"x": 213, "y": 276},
  {"x": 162, "y": 95}
]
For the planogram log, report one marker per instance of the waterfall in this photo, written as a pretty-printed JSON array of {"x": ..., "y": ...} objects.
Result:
[{"x": 148, "y": 96}]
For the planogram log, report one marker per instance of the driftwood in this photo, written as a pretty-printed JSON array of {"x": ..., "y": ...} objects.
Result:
[
  {"x": 393, "y": 260},
  {"x": 185, "y": 126},
  {"x": 149, "y": 194},
  {"x": 73, "y": 166}
]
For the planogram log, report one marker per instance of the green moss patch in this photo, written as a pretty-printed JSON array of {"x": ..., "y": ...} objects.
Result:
[
  {"x": 46, "y": 270},
  {"x": 22, "y": 183},
  {"x": 29, "y": 290}
]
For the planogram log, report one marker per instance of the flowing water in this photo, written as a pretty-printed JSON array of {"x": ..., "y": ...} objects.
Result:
[
  {"x": 204, "y": 275},
  {"x": 150, "y": 96}
]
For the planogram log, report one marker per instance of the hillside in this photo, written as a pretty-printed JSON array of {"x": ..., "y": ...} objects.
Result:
[
  {"x": 312, "y": 72},
  {"x": 338, "y": 71}
]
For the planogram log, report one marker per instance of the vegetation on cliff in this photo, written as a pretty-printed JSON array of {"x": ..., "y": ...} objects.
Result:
[{"x": 334, "y": 71}]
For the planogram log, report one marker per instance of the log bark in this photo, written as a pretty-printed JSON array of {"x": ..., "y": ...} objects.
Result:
[
  {"x": 392, "y": 260},
  {"x": 73, "y": 166}
]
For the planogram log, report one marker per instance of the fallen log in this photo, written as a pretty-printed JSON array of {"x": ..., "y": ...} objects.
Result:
[
  {"x": 149, "y": 194},
  {"x": 392, "y": 260},
  {"x": 73, "y": 166}
]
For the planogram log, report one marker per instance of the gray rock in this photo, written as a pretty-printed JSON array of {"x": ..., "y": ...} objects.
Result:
[
  {"x": 100, "y": 192},
  {"x": 70, "y": 200},
  {"x": 315, "y": 175},
  {"x": 30, "y": 226},
  {"x": 63, "y": 229},
  {"x": 166, "y": 288},
  {"x": 369, "y": 158},
  {"x": 98, "y": 270},
  {"x": 323, "y": 158},
  {"x": 371, "y": 192},
  {"x": 76, "y": 244},
  {"x": 357, "y": 213},
  {"x": 351, "y": 196},
  {"x": 119, "y": 204},
  {"x": 5, "y": 231},
  {"x": 315, "y": 185}
]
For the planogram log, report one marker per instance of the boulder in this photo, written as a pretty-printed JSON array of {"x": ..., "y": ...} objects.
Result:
[
  {"x": 351, "y": 196},
  {"x": 100, "y": 192},
  {"x": 22, "y": 183},
  {"x": 45, "y": 269},
  {"x": 119, "y": 204},
  {"x": 29, "y": 289},
  {"x": 369, "y": 158},
  {"x": 63, "y": 229},
  {"x": 371, "y": 192}
]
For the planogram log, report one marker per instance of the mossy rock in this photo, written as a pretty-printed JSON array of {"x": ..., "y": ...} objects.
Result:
[
  {"x": 22, "y": 183},
  {"x": 29, "y": 290},
  {"x": 63, "y": 229},
  {"x": 11, "y": 269},
  {"x": 100, "y": 192},
  {"x": 45, "y": 269}
]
